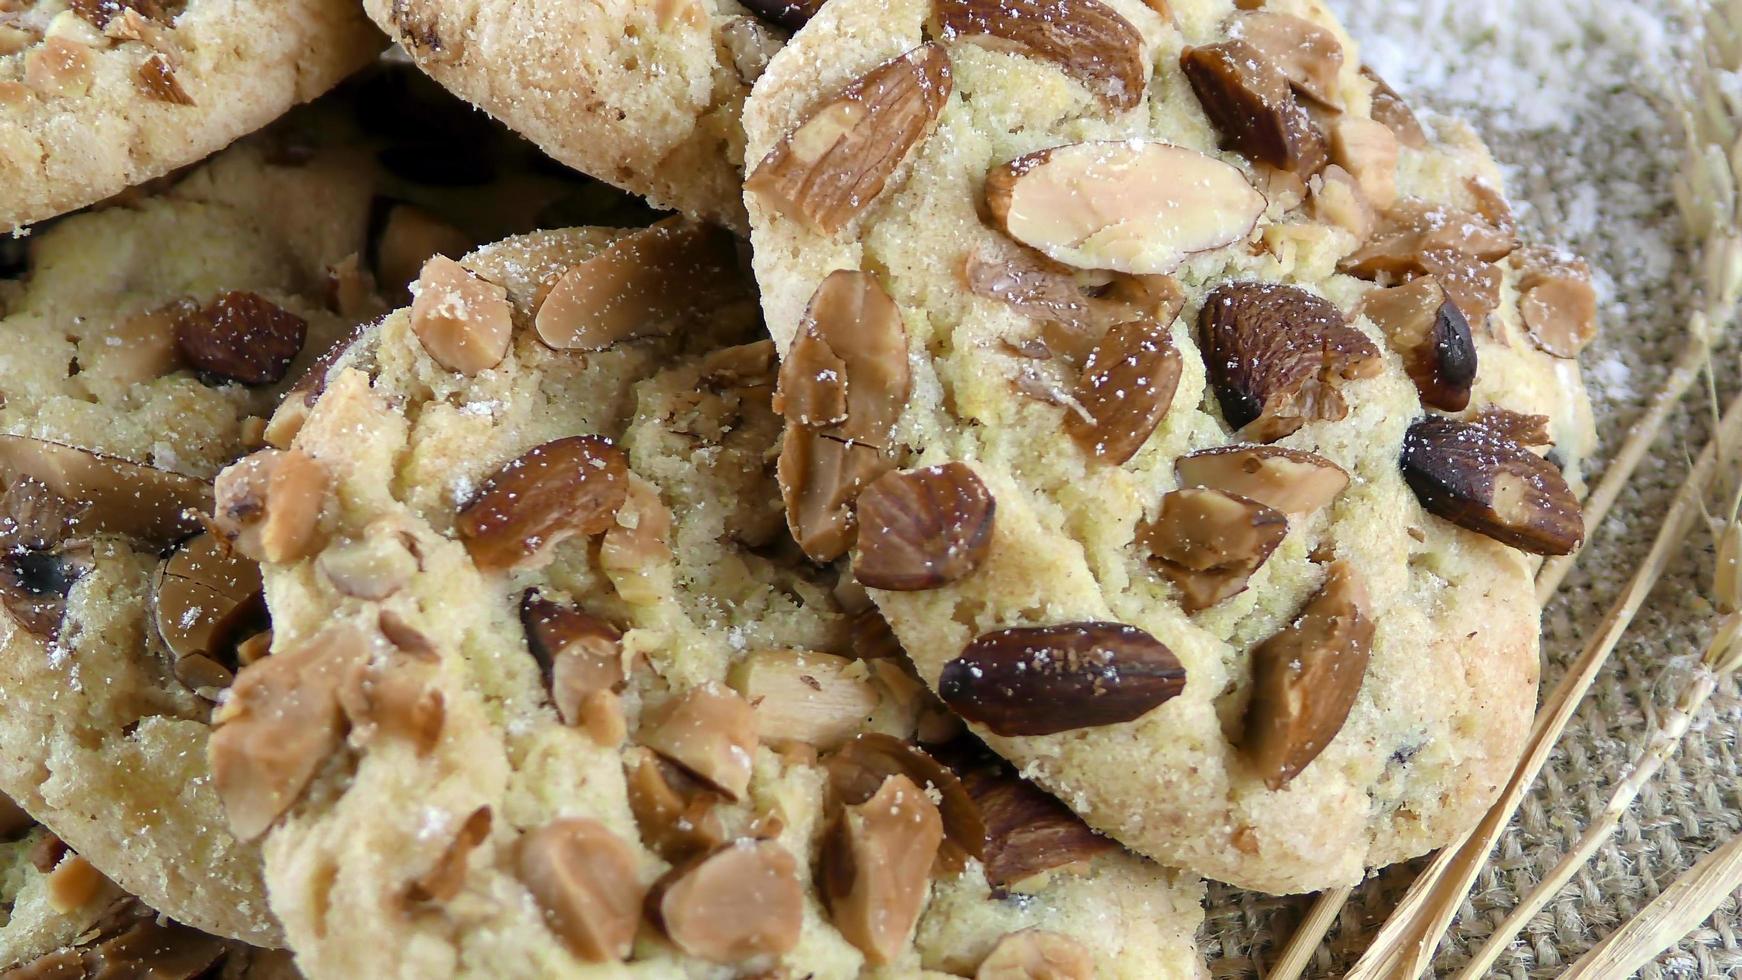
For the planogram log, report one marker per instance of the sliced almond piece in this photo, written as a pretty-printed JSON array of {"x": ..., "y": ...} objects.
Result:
[
  {"x": 584, "y": 879},
  {"x": 875, "y": 864},
  {"x": 1368, "y": 151},
  {"x": 462, "y": 321},
  {"x": 1413, "y": 228},
  {"x": 1306, "y": 678},
  {"x": 157, "y": 79},
  {"x": 268, "y": 505},
  {"x": 835, "y": 165},
  {"x": 1051, "y": 679},
  {"x": 1249, "y": 100},
  {"x": 1289, "y": 480},
  {"x": 674, "y": 811},
  {"x": 1075, "y": 307},
  {"x": 1556, "y": 301},
  {"x": 861, "y": 767},
  {"x": 644, "y": 284},
  {"x": 580, "y": 655},
  {"x": 1337, "y": 199},
  {"x": 1469, "y": 281},
  {"x": 843, "y": 387},
  {"x": 1128, "y": 206},
  {"x": 1278, "y": 357},
  {"x": 1390, "y": 109},
  {"x": 562, "y": 489},
  {"x": 923, "y": 529},
  {"x": 115, "y": 496},
  {"x": 444, "y": 879},
  {"x": 1030, "y": 835},
  {"x": 1424, "y": 326},
  {"x": 1209, "y": 543},
  {"x": 711, "y": 732},
  {"x": 1036, "y": 954},
  {"x": 241, "y": 337},
  {"x": 58, "y": 67},
  {"x": 802, "y": 696},
  {"x": 205, "y": 601},
  {"x": 1085, "y": 38},
  {"x": 139, "y": 348},
  {"x": 1309, "y": 56},
  {"x": 1483, "y": 481},
  {"x": 1125, "y": 390},
  {"x": 742, "y": 901}
]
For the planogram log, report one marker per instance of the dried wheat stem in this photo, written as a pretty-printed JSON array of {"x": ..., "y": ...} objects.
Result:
[
  {"x": 1405, "y": 945},
  {"x": 1687, "y": 902},
  {"x": 1298, "y": 951}
]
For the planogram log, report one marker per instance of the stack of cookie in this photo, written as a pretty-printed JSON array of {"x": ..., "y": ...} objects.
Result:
[{"x": 1123, "y": 445}]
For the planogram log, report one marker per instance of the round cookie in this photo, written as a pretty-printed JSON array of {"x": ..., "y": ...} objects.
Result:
[
  {"x": 645, "y": 95},
  {"x": 550, "y": 686},
  {"x": 97, "y": 95},
  {"x": 1244, "y": 387}
]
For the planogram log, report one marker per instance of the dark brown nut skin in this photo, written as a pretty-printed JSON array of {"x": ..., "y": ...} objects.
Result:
[
  {"x": 1085, "y": 38},
  {"x": 1050, "y": 679},
  {"x": 1249, "y": 100},
  {"x": 1481, "y": 480},
  {"x": 790, "y": 14},
  {"x": 241, "y": 337},
  {"x": 1127, "y": 387},
  {"x": 1027, "y": 831},
  {"x": 563, "y": 488},
  {"x": 923, "y": 529}
]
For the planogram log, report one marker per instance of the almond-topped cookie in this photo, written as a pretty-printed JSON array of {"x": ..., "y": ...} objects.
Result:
[
  {"x": 97, "y": 96},
  {"x": 1188, "y": 407},
  {"x": 552, "y": 690}
]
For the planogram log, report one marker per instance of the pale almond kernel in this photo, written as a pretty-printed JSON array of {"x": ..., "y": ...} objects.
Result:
[
  {"x": 14, "y": 39},
  {"x": 1337, "y": 199},
  {"x": 1127, "y": 206},
  {"x": 269, "y": 504},
  {"x": 876, "y": 861},
  {"x": 636, "y": 547},
  {"x": 1368, "y": 151},
  {"x": 463, "y": 322},
  {"x": 580, "y": 656},
  {"x": 741, "y": 901},
  {"x": 802, "y": 696},
  {"x": 372, "y": 567},
  {"x": 139, "y": 348},
  {"x": 58, "y": 66},
  {"x": 711, "y": 732},
  {"x": 1035, "y": 954},
  {"x": 584, "y": 879}
]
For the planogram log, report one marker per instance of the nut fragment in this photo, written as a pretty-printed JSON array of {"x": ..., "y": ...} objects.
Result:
[
  {"x": 394, "y": 696},
  {"x": 1050, "y": 679},
  {"x": 861, "y": 767},
  {"x": 139, "y": 348},
  {"x": 638, "y": 544},
  {"x": 1306, "y": 678},
  {"x": 205, "y": 601},
  {"x": 674, "y": 811},
  {"x": 1249, "y": 100},
  {"x": 73, "y": 883},
  {"x": 843, "y": 386},
  {"x": 741, "y": 901},
  {"x": 462, "y": 321},
  {"x": 1481, "y": 480},
  {"x": 372, "y": 567},
  {"x": 241, "y": 337},
  {"x": 790, "y": 14},
  {"x": 556, "y": 491},
  {"x": 924, "y": 528},
  {"x": 711, "y": 732},
  {"x": 1081, "y": 305},
  {"x": 1421, "y": 323},
  {"x": 875, "y": 863},
  {"x": 580, "y": 656},
  {"x": 1309, "y": 56},
  {"x": 1526, "y": 430},
  {"x": 1412, "y": 229},
  {"x": 1368, "y": 152},
  {"x": 1134, "y": 206},
  {"x": 1278, "y": 357},
  {"x": 58, "y": 66},
  {"x": 583, "y": 878},
  {"x": 269, "y": 504},
  {"x": 1390, "y": 109},
  {"x": 1029, "y": 834},
  {"x": 803, "y": 696},
  {"x": 1209, "y": 543},
  {"x": 443, "y": 880},
  {"x": 280, "y": 723},
  {"x": 1085, "y": 38},
  {"x": 1556, "y": 301},
  {"x": 1288, "y": 480},
  {"x": 40, "y": 556},
  {"x": 1337, "y": 199},
  {"x": 113, "y": 495},
  {"x": 835, "y": 165},
  {"x": 1469, "y": 281},
  {"x": 157, "y": 78},
  {"x": 1036, "y": 954},
  {"x": 1125, "y": 390}
]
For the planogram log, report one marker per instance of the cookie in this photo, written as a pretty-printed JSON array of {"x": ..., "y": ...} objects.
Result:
[
  {"x": 98, "y": 96},
  {"x": 1183, "y": 405},
  {"x": 644, "y": 95},
  {"x": 550, "y": 685}
]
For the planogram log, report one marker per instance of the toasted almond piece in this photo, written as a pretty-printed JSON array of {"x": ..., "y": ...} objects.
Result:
[
  {"x": 1209, "y": 543},
  {"x": 241, "y": 337},
  {"x": 553, "y": 492},
  {"x": 1278, "y": 357},
  {"x": 205, "y": 600},
  {"x": 72, "y": 884},
  {"x": 644, "y": 284},
  {"x": 1412, "y": 228},
  {"x": 372, "y": 567},
  {"x": 396, "y": 695},
  {"x": 708, "y": 730},
  {"x": 1470, "y": 282},
  {"x": 443, "y": 880},
  {"x": 875, "y": 864},
  {"x": 743, "y": 900},
  {"x": 1556, "y": 301},
  {"x": 1483, "y": 481},
  {"x": 1132, "y": 206},
  {"x": 1368, "y": 151},
  {"x": 1309, "y": 56},
  {"x": 1126, "y": 389},
  {"x": 279, "y": 725},
  {"x": 462, "y": 321},
  {"x": 1085, "y": 38},
  {"x": 803, "y": 696},
  {"x": 1306, "y": 678},
  {"x": 1076, "y": 307},
  {"x": 114, "y": 495},
  {"x": 584, "y": 879},
  {"x": 139, "y": 348},
  {"x": 408, "y": 238},
  {"x": 1390, "y": 109},
  {"x": 300, "y": 397},
  {"x": 1526, "y": 430},
  {"x": 1248, "y": 99},
  {"x": 579, "y": 654},
  {"x": 1036, "y": 954},
  {"x": 1289, "y": 480},
  {"x": 58, "y": 66},
  {"x": 1337, "y": 199},
  {"x": 843, "y": 387},
  {"x": 129, "y": 24},
  {"x": 790, "y": 14},
  {"x": 1421, "y": 323},
  {"x": 157, "y": 78},
  {"x": 637, "y": 543},
  {"x": 269, "y": 505},
  {"x": 923, "y": 529},
  {"x": 1029, "y": 835},
  {"x": 836, "y": 164},
  {"x": 861, "y": 767},
  {"x": 1051, "y": 679},
  {"x": 674, "y": 811}
]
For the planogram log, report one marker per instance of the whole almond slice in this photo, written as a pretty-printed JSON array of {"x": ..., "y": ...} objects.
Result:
[
  {"x": 1249, "y": 100},
  {"x": 1085, "y": 38},
  {"x": 1125, "y": 390},
  {"x": 1132, "y": 206},
  {"x": 1306, "y": 678},
  {"x": 556, "y": 491},
  {"x": 1309, "y": 56},
  {"x": 836, "y": 164},
  {"x": 1556, "y": 301},
  {"x": 1421, "y": 323},
  {"x": 1209, "y": 543},
  {"x": 1482, "y": 480},
  {"x": 1288, "y": 480},
  {"x": 117, "y": 496},
  {"x": 642, "y": 285},
  {"x": 1050, "y": 679},
  {"x": 923, "y": 529},
  {"x": 744, "y": 900},
  {"x": 583, "y": 877}
]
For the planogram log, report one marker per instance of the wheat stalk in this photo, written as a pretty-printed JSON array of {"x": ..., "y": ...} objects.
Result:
[{"x": 1687, "y": 902}]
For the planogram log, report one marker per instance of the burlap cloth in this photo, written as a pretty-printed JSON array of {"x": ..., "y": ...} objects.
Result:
[{"x": 1574, "y": 98}]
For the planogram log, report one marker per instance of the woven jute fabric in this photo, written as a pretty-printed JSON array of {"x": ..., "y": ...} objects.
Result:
[{"x": 1575, "y": 97}]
